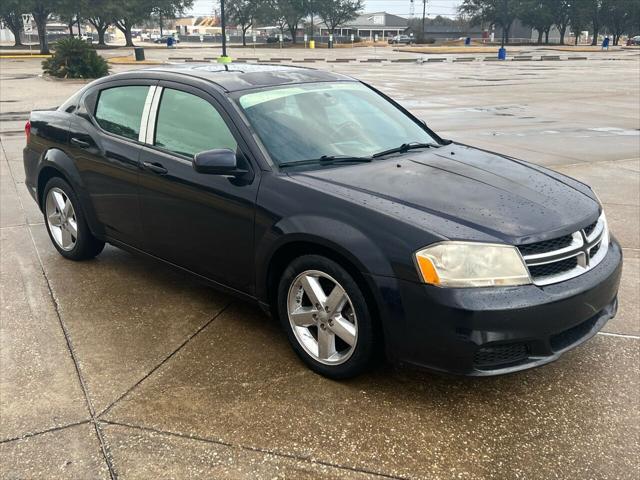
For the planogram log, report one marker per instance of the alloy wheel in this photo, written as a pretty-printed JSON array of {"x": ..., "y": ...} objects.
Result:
[
  {"x": 322, "y": 317},
  {"x": 61, "y": 219}
]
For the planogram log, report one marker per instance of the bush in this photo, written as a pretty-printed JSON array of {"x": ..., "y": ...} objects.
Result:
[
  {"x": 425, "y": 41},
  {"x": 74, "y": 58}
]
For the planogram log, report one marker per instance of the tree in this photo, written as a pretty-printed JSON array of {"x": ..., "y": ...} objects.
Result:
[
  {"x": 501, "y": 13},
  {"x": 69, "y": 12},
  {"x": 335, "y": 13},
  {"x": 100, "y": 16},
  {"x": 11, "y": 14},
  {"x": 619, "y": 16},
  {"x": 578, "y": 17},
  {"x": 562, "y": 18},
  {"x": 538, "y": 14},
  {"x": 41, "y": 10},
  {"x": 127, "y": 13},
  {"x": 290, "y": 13},
  {"x": 241, "y": 12},
  {"x": 594, "y": 7}
]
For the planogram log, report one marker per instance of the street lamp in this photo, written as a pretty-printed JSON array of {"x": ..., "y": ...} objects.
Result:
[
  {"x": 502, "y": 53},
  {"x": 224, "y": 58}
]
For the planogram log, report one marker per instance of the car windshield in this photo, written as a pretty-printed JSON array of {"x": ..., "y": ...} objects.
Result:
[{"x": 302, "y": 122}]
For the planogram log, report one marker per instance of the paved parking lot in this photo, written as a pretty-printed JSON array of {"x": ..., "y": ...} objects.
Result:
[{"x": 123, "y": 367}]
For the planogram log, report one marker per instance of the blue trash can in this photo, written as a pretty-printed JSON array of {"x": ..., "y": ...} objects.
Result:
[{"x": 502, "y": 53}]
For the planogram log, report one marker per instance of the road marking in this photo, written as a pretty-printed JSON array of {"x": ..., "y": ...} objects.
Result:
[{"x": 620, "y": 335}]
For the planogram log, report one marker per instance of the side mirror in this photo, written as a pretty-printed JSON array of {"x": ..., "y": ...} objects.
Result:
[{"x": 217, "y": 162}]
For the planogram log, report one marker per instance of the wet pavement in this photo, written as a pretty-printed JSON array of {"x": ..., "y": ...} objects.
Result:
[{"x": 122, "y": 367}]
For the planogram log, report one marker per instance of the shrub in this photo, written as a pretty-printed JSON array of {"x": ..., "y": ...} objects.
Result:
[
  {"x": 425, "y": 41},
  {"x": 74, "y": 58}
]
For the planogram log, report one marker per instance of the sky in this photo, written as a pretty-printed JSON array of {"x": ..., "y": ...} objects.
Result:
[{"x": 398, "y": 7}]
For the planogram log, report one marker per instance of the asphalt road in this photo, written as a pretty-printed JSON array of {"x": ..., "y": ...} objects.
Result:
[{"x": 123, "y": 367}]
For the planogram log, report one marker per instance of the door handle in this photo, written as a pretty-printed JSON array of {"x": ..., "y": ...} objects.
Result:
[
  {"x": 154, "y": 167},
  {"x": 80, "y": 143}
]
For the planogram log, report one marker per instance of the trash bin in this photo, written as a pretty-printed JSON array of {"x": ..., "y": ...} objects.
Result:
[
  {"x": 502, "y": 54},
  {"x": 312, "y": 44},
  {"x": 139, "y": 53}
]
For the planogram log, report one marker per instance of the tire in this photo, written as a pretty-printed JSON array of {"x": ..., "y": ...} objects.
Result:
[
  {"x": 310, "y": 329},
  {"x": 73, "y": 243}
]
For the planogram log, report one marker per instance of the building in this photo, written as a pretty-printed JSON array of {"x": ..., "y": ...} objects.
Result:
[
  {"x": 443, "y": 33},
  {"x": 368, "y": 25}
]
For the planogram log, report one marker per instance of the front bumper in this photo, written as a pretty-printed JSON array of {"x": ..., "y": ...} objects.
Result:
[{"x": 490, "y": 331}]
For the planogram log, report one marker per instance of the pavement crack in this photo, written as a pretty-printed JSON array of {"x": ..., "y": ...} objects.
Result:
[
  {"x": 264, "y": 451},
  {"x": 76, "y": 363},
  {"x": 42, "y": 432},
  {"x": 165, "y": 360}
]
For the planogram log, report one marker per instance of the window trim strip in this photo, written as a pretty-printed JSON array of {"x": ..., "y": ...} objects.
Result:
[
  {"x": 142, "y": 135},
  {"x": 150, "y": 129}
]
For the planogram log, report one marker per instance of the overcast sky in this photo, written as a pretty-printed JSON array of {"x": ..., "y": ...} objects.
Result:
[{"x": 399, "y": 7}]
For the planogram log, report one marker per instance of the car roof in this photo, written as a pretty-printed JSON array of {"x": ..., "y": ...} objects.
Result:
[{"x": 243, "y": 76}]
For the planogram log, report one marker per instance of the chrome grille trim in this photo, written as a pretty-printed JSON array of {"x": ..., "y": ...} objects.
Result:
[{"x": 581, "y": 247}]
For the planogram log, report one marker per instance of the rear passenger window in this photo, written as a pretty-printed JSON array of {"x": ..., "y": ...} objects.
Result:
[
  {"x": 188, "y": 124},
  {"x": 119, "y": 110}
]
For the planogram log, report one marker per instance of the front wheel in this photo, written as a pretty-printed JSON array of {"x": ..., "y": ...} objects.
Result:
[{"x": 326, "y": 317}]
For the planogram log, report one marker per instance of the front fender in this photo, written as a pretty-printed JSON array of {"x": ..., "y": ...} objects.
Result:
[{"x": 338, "y": 236}]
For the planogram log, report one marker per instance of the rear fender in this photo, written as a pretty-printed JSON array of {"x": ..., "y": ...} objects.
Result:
[{"x": 65, "y": 167}]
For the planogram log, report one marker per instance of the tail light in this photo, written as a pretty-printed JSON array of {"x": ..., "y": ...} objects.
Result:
[{"x": 27, "y": 130}]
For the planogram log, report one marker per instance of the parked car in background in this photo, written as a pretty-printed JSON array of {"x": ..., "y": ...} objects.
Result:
[
  {"x": 633, "y": 41},
  {"x": 276, "y": 39},
  {"x": 165, "y": 38},
  {"x": 333, "y": 208},
  {"x": 401, "y": 39}
]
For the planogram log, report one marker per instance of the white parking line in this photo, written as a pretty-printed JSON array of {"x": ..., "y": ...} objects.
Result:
[{"x": 622, "y": 335}]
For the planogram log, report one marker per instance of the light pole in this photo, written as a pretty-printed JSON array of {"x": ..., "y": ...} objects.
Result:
[
  {"x": 502, "y": 53},
  {"x": 424, "y": 11},
  {"x": 224, "y": 58}
]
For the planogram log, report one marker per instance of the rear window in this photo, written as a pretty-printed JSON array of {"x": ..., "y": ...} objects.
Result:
[{"x": 119, "y": 110}]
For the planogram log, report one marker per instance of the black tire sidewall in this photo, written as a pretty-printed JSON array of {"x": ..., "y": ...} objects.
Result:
[
  {"x": 87, "y": 246},
  {"x": 363, "y": 354}
]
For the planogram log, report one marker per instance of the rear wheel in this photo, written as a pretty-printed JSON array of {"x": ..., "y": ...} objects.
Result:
[
  {"x": 326, "y": 317},
  {"x": 65, "y": 222}
]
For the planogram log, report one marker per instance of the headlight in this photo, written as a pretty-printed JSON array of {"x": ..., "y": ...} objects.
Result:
[{"x": 467, "y": 264}]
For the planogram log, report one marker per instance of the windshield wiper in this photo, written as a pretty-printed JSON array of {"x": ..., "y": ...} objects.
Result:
[
  {"x": 326, "y": 160},
  {"x": 405, "y": 147}
]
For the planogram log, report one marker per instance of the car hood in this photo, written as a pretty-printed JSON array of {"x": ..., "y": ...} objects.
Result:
[{"x": 499, "y": 196}]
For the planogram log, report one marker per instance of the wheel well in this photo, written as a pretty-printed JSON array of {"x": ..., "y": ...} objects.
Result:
[
  {"x": 46, "y": 174},
  {"x": 287, "y": 253}
]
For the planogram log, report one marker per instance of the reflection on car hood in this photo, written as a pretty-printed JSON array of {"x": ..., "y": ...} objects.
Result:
[{"x": 482, "y": 190}]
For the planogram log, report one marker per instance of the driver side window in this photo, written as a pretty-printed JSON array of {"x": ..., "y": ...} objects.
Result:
[{"x": 187, "y": 124}]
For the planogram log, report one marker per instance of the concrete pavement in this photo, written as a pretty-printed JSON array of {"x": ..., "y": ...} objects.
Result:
[{"x": 121, "y": 367}]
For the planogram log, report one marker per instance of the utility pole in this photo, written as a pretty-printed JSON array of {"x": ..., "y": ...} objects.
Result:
[
  {"x": 424, "y": 14},
  {"x": 505, "y": 7},
  {"x": 502, "y": 53},
  {"x": 224, "y": 58}
]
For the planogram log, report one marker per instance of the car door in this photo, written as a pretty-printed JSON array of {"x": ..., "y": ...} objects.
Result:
[
  {"x": 201, "y": 222},
  {"x": 105, "y": 143}
]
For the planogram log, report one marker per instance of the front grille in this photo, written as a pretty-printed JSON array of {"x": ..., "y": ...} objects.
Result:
[
  {"x": 567, "y": 338},
  {"x": 546, "y": 246},
  {"x": 589, "y": 230},
  {"x": 500, "y": 355},
  {"x": 568, "y": 256},
  {"x": 554, "y": 268}
]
